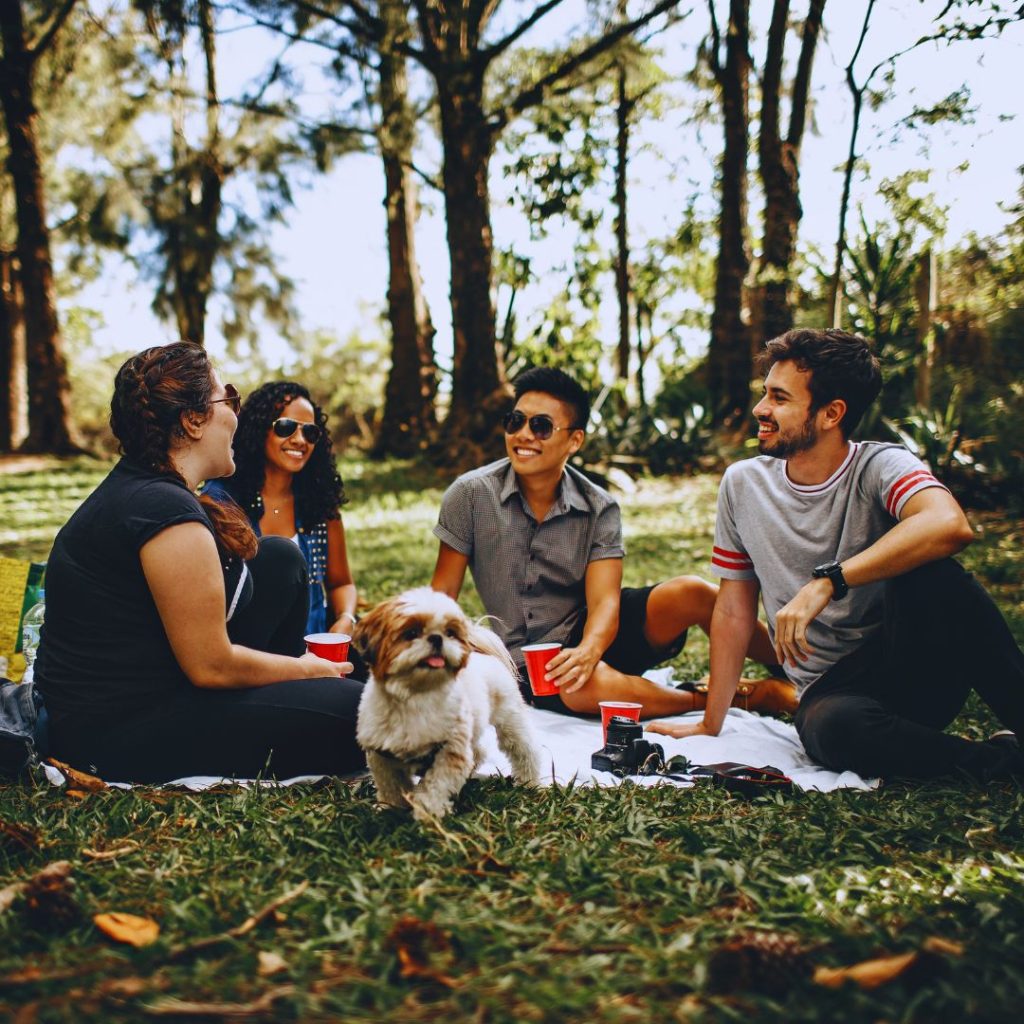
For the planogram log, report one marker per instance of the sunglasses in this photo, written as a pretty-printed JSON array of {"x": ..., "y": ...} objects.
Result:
[
  {"x": 232, "y": 397},
  {"x": 541, "y": 426},
  {"x": 285, "y": 426}
]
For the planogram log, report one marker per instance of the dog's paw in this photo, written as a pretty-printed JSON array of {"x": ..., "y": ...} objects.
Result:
[{"x": 426, "y": 810}]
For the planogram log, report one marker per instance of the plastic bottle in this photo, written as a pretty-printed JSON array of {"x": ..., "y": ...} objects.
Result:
[{"x": 30, "y": 625}]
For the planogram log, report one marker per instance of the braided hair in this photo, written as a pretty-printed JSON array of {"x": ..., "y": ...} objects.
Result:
[
  {"x": 152, "y": 392},
  {"x": 317, "y": 487}
]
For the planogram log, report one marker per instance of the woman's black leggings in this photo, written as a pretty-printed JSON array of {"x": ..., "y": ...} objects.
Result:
[
  {"x": 882, "y": 709},
  {"x": 300, "y": 727}
]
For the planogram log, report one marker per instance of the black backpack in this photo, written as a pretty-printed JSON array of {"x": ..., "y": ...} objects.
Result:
[{"x": 23, "y": 732}]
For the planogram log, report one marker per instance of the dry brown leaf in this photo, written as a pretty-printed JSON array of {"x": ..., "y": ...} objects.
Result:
[
  {"x": 420, "y": 945},
  {"x": 127, "y": 928},
  {"x": 258, "y": 1008},
  {"x": 127, "y": 847},
  {"x": 269, "y": 962},
  {"x": 82, "y": 780},
  {"x": 947, "y": 947},
  {"x": 869, "y": 973}
]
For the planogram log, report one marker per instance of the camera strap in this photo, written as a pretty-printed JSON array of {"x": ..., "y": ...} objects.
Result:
[{"x": 738, "y": 778}]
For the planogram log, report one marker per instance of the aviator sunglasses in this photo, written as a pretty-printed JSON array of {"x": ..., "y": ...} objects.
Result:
[
  {"x": 285, "y": 426},
  {"x": 541, "y": 426},
  {"x": 232, "y": 397}
]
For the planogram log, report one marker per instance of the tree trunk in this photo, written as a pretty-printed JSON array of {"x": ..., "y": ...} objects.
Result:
[
  {"x": 13, "y": 400},
  {"x": 204, "y": 178},
  {"x": 478, "y": 373},
  {"x": 925, "y": 286},
  {"x": 409, "y": 419},
  {"x": 857, "y": 93},
  {"x": 780, "y": 164},
  {"x": 49, "y": 391},
  {"x": 729, "y": 353},
  {"x": 622, "y": 115}
]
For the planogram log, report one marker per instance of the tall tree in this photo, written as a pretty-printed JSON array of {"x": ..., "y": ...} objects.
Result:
[
  {"x": 49, "y": 420},
  {"x": 187, "y": 203},
  {"x": 452, "y": 47},
  {"x": 12, "y": 354},
  {"x": 409, "y": 418},
  {"x": 973, "y": 20},
  {"x": 779, "y": 159},
  {"x": 729, "y": 351},
  {"x": 206, "y": 241}
]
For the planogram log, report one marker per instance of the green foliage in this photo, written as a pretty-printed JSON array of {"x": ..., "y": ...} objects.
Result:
[{"x": 565, "y": 904}]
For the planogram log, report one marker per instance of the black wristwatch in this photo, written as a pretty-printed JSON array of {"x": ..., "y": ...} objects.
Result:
[{"x": 832, "y": 571}]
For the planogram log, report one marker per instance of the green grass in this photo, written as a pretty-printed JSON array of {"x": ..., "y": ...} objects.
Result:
[{"x": 563, "y": 905}]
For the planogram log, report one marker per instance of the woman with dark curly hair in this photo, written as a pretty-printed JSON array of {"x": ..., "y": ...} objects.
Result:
[
  {"x": 286, "y": 482},
  {"x": 172, "y": 644}
]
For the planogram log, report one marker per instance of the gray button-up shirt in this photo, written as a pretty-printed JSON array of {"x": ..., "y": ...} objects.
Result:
[{"x": 530, "y": 575}]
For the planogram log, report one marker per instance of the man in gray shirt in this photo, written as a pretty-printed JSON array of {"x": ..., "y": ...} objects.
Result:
[
  {"x": 848, "y": 544},
  {"x": 544, "y": 545}
]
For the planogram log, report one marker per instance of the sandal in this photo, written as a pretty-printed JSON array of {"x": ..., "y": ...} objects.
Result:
[{"x": 769, "y": 696}]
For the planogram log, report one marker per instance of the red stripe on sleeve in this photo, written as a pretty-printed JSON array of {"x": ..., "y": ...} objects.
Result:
[
  {"x": 725, "y": 559},
  {"x": 904, "y": 484}
]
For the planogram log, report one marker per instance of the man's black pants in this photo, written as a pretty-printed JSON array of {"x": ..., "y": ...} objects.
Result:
[{"x": 882, "y": 709}]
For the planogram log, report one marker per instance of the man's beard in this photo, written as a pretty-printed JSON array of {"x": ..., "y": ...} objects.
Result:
[{"x": 779, "y": 447}]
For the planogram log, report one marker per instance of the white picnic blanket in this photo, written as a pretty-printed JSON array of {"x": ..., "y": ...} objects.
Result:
[{"x": 567, "y": 743}]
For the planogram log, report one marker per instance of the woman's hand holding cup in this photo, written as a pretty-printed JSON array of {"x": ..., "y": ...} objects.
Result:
[{"x": 315, "y": 667}]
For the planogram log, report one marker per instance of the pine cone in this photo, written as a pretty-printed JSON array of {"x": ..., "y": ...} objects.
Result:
[
  {"x": 764, "y": 962},
  {"x": 49, "y": 904}
]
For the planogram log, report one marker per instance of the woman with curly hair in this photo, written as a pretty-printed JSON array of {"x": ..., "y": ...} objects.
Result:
[
  {"x": 173, "y": 644},
  {"x": 286, "y": 482}
]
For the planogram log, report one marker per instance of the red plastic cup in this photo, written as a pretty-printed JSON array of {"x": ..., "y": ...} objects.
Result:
[
  {"x": 537, "y": 658},
  {"x": 617, "y": 709},
  {"x": 332, "y": 646}
]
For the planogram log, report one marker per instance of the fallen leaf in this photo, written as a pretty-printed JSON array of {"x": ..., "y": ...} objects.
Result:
[
  {"x": 914, "y": 967},
  {"x": 258, "y": 1008},
  {"x": 419, "y": 946},
  {"x": 82, "y": 780},
  {"x": 947, "y": 947},
  {"x": 128, "y": 847},
  {"x": 128, "y": 928},
  {"x": 269, "y": 962}
]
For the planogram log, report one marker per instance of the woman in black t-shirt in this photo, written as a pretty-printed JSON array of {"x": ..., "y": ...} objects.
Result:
[{"x": 172, "y": 644}]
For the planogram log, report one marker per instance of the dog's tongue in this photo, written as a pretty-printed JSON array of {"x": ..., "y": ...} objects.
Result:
[{"x": 435, "y": 661}]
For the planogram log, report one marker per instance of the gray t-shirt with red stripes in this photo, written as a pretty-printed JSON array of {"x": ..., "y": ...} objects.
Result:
[{"x": 775, "y": 531}]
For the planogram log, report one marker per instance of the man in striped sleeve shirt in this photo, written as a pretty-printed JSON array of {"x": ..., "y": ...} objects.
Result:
[{"x": 849, "y": 545}]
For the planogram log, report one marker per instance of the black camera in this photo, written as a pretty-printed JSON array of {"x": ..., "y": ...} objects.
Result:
[{"x": 626, "y": 752}]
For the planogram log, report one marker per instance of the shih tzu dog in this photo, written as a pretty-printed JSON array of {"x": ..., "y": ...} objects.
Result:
[{"x": 436, "y": 682}]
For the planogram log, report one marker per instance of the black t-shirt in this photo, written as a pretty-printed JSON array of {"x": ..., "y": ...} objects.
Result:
[{"x": 103, "y": 653}]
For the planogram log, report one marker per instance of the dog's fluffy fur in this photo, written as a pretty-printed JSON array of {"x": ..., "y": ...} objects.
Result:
[{"x": 437, "y": 681}]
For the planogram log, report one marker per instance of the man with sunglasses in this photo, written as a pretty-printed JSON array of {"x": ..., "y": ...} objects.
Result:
[{"x": 544, "y": 546}]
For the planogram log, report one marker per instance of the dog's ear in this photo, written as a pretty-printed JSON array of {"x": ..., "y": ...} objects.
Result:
[{"x": 371, "y": 631}]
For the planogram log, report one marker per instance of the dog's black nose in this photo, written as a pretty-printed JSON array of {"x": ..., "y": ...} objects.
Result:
[{"x": 436, "y": 640}]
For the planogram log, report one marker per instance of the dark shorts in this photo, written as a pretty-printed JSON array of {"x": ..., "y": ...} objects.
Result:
[{"x": 629, "y": 652}]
